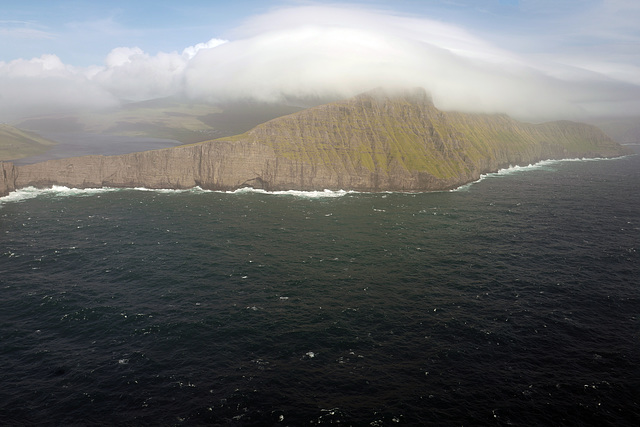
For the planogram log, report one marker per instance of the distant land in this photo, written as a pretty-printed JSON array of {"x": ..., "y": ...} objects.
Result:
[
  {"x": 17, "y": 143},
  {"x": 164, "y": 118},
  {"x": 625, "y": 130},
  {"x": 377, "y": 141}
]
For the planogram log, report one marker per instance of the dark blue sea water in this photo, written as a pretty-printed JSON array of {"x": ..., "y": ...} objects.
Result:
[{"x": 512, "y": 301}]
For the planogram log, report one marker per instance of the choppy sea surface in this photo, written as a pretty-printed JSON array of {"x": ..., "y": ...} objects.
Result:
[{"x": 511, "y": 301}]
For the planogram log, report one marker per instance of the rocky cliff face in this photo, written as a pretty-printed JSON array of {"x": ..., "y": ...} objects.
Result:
[
  {"x": 7, "y": 178},
  {"x": 374, "y": 142}
]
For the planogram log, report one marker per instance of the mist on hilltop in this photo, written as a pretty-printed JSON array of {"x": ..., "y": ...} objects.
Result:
[{"x": 322, "y": 52}]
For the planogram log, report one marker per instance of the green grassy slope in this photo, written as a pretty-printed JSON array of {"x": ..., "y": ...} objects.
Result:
[
  {"x": 377, "y": 141},
  {"x": 408, "y": 130},
  {"x": 165, "y": 118},
  {"x": 405, "y": 134},
  {"x": 16, "y": 143}
]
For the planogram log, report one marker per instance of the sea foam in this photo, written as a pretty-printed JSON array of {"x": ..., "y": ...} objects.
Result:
[
  {"x": 62, "y": 191},
  {"x": 296, "y": 193},
  {"x": 196, "y": 190},
  {"x": 57, "y": 190},
  {"x": 541, "y": 165}
]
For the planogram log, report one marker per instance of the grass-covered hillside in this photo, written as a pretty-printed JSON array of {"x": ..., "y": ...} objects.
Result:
[
  {"x": 168, "y": 118},
  {"x": 16, "y": 143},
  {"x": 374, "y": 142},
  {"x": 404, "y": 133}
]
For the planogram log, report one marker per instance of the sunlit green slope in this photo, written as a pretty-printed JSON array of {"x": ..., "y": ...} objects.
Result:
[
  {"x": 168, "y": 118},
  {"x": 16, "y": 143},
  {"x": 404, "y": 133}
]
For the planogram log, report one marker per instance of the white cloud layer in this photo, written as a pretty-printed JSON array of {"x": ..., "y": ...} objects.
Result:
[{"x": 335, "y": 51}]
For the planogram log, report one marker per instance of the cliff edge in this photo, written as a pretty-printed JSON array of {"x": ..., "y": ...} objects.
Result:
[
  {"x": 7, "y": 178},
  {"x": 377, "y": 141}
]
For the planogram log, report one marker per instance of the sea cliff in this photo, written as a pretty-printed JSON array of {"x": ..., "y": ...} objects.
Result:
[
  {"x": 374, "y": 142},
  {"x": 7, "y": 178}
]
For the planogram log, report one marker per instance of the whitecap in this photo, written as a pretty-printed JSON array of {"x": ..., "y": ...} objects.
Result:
[
  {"x": 195, "y": 190},
  {"x": 541, "y": 165},
  {"x": 63, "y": 191},
  {"x": 296, "y": 193},
  {"x": 56, "y": 191}
]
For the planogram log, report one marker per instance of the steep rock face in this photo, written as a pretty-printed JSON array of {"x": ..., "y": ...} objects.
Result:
[
  {"x": 7, "y": 178},
  {"x": 402, "y": 142},
  {"x": 374, "y": 142},
  {"x": 212, "y": 165}
]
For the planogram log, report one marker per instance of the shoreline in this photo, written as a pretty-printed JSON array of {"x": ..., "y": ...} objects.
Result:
[{"x": 324, "y": 193}]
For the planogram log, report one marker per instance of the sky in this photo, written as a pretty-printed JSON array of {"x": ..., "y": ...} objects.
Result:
[{"x": 532, "y": 59}]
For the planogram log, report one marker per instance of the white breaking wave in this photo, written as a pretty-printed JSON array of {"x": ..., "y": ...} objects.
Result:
[
  {"x": 57, "y": 190},
  {"x": 62, "y": 191},
  {"x": 541, "y": 165},
  {"x": 296, "y": 193},
  {"x": 195, "y": 189}
]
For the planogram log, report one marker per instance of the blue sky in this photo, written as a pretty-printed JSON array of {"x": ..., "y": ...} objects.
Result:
[
  {"x": 83, "y": 32},
  {"x": 531, "y": 59}
]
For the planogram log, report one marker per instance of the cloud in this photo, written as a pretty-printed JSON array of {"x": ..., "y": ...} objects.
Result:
[
  {"x": 22, "y": 30},
  {"x": 44, "y": 85},
  {"x": 191, "y": 51},
  {"x": 332, "y": 51},
  {"x": 132, "y": 75}
]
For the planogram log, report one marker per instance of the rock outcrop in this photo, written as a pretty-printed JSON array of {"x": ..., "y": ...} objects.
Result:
[
  {"x": 374, "y": 142},
  {"x": 7, "y": 178}
]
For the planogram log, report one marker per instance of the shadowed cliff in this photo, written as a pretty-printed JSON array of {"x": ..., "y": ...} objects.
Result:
[{"x": 377, "y": 141}]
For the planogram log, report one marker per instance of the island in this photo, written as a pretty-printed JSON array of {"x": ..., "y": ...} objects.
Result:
[{"x": 378, "y": 141}]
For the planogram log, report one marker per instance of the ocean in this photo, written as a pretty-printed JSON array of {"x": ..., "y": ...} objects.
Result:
[{"x": 514, "y": 300}]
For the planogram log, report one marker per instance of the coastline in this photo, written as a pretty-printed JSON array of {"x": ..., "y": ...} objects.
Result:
[{"x": 32, "y": 191}]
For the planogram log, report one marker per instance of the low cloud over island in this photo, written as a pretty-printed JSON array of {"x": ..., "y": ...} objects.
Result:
[{"x": 338, "y": 51}]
